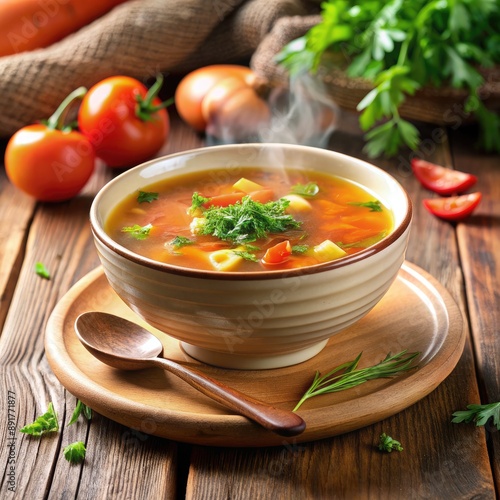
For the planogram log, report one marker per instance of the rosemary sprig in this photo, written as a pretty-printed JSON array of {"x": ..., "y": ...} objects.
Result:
[{"x": 348, "y": 375}]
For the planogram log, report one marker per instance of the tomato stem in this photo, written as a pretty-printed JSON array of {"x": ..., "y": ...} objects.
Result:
[
  {"x": 145, "y": 107},
  {"x": 57, "y": 120}
]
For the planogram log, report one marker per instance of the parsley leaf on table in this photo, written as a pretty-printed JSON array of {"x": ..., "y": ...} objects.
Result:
[
  {"x": 75, "y": 452},
  {"x": 80, "y": 408},
  {"x": 387, "y": 443},
  {"x": 44, "y": 423},
  {"x": 42, "y": 270},
  {"x": 480, "y": 414}
]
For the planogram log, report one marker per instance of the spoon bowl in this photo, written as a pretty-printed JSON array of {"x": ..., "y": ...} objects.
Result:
[{"x": 125, "y": 345}]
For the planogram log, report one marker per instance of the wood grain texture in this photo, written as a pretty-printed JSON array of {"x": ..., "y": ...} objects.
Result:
[{"x": 15, "y": 215}]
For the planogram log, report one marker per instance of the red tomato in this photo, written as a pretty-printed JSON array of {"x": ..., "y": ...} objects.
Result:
[
  {"x": 441, "y": 180},
  {"x": 278, "y": 254},
  {"x": 50, "y": 161},
  {"x": 193, "y": 88},
  {"x": 126, "y": 123},
  {"x": 454, "y": 207}
]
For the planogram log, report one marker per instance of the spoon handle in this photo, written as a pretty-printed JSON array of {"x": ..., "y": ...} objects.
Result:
[{"x": 282, "y": 422}]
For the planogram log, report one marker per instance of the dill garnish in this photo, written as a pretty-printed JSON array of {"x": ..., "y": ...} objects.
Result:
[{"x": 247, "y": 220}]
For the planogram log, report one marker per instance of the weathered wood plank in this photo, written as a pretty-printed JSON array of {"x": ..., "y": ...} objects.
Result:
[
  {"x": 16, "y": 212},
  {"x": 479, "y": 244}
]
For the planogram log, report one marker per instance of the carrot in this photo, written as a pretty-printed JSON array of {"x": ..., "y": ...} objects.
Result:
[
  {"x": 31, "y": 24},
  {"x": 278, "y": 253},
  {"x": 223, "y": 200}
]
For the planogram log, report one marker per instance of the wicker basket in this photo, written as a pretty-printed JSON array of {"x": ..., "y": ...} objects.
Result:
[{"x": 440, "y": 106}]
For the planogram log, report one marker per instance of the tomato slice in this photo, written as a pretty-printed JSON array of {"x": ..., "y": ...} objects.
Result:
[
  {"x": 441, "y": 180},
  {"x": 278, "y": 254},
  {"x": 454, "y": 207}
]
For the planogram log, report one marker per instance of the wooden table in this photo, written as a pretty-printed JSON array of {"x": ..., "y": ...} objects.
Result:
[{"x": 441, "y": 460}]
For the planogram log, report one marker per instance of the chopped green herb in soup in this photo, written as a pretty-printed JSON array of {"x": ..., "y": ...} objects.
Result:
[{"x": 254, "y": 220}]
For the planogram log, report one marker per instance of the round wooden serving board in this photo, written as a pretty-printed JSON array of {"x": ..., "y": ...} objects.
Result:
[{"x": 417, "y": 314}]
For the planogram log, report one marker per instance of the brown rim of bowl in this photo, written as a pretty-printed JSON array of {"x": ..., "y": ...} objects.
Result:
[{"x": 106, "y": 240}]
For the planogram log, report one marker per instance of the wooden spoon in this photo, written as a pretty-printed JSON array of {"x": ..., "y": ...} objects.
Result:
[{"x": 122, "y": 344}]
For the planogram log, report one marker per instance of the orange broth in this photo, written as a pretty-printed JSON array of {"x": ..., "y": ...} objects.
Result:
[{"x": 336, "y": 213}]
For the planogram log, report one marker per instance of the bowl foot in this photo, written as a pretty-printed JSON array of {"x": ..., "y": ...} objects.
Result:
[{"x": 247, "y": 362}]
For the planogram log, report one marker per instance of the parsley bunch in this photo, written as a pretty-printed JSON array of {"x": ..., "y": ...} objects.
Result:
[{"x": 401, "y": 46}]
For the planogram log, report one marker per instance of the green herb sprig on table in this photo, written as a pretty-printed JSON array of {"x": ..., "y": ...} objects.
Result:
[
  {"x": 42, "y": 271},
  {"x": 400, "y": 47},
  {"x": 348, "y": 375},
  {"x": 43, "y": 424},
  {"x": 80, "y": 409},
  {"x": 75, "y": 452},
  {"x": 479, "y": 414},
  {"x": 387, "y": 443}
]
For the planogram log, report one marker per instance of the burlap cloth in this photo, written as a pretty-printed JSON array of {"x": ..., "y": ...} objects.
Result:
[{"x": 138, "y": 38}]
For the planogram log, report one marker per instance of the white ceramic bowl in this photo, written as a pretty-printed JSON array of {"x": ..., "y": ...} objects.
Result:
[{"x": 266, "y": 319}]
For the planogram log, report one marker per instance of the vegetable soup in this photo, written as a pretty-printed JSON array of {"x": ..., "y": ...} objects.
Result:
[{"x": 253, "y": 220}]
